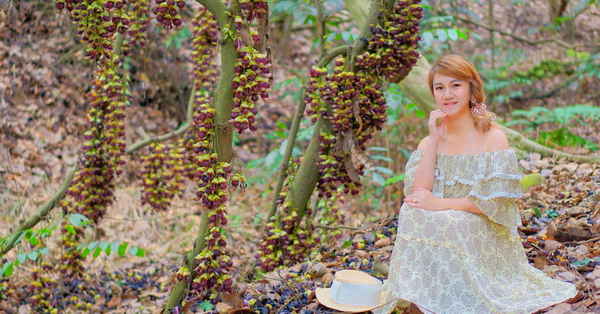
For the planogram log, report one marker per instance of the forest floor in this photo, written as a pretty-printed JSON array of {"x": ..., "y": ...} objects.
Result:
[{"x": 42, "y": 115}]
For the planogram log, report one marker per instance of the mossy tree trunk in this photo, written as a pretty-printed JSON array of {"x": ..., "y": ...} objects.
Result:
[
  {"x": 308, "y": 174},
  {"x": 223, "y": 136}
]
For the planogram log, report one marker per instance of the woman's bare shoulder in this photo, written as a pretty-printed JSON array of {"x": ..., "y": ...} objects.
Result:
[
  {"x": 496, "y": 140},
  {"x": 423, "y": 143}
]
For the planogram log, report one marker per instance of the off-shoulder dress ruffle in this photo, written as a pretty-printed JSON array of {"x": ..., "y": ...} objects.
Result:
[{"x": 458, "y": 262}]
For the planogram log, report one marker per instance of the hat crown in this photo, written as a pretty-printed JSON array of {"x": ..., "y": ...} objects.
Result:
[{"x": 356, "y": 293}]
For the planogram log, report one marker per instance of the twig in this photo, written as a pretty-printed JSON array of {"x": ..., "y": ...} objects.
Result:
[
  {"x": 15, "y": 180},
  {"x": 140, "y": 144},
  {"x": 594, "y": 239},
  {"x": 525, "y": 40},
  {"x": 336, "y": 227},
  {"x": 550, "y": 92},
  {"x": 39, "y": 214},
  {"x": 287, "y": 285},
  {"x": 51, "y": 203}
]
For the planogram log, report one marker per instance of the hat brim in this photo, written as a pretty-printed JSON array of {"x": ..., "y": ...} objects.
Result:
[{"x": 323, "y": 298}]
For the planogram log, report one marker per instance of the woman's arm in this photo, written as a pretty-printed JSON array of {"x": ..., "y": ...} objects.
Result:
[
  {"x": 423, "y": 198},
  {"x": 424, "y": 177}
]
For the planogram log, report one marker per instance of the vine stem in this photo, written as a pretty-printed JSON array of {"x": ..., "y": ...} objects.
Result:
[
  {"x": 223, "y": 138},
  {"x": 325, "y": 57},
  {"x": 308, "y": 173}
]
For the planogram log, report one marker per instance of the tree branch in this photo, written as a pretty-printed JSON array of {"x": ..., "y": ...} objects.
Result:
[
  {"x": 45, "y": 209},
  {"x": 325, "y": 58},
  {"x": 525, "y": 40},
  {"x": 518, "y": 140},
  {"x": 550, "y": 92}
]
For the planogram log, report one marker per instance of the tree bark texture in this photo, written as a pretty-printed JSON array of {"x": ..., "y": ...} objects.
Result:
[{"x": 223, "y": 136}]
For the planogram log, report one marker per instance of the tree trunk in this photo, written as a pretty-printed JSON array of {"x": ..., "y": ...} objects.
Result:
[
  {"x": 308, "y": 173},
  {"x": 223, "y": 104}
]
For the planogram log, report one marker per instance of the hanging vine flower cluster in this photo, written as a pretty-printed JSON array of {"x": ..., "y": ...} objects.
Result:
[
  {"x": 205, "y": 37},
  {"x": 97, "y": 23},
  {"x": 167, "y": 13},
  {"x": 285, "y": 243},
  {"x": 391, "y": 51},
  {"x": 138, "y": 29},
  {"x": 92, "y": 189},
  {"x": 213, "y": 179},
  {"x": 253, "y": 77},
  {"x": 163, "y": 175},
  {"x": 251, "y": 82},
  {"x": 254, "y": 9}
]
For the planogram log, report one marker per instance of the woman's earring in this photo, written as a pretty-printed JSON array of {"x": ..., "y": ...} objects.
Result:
[
  {"x": 473, "y": 101},
  {"x": 478, "y": 109}
]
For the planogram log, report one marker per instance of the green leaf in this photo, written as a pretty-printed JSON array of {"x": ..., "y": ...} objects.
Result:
[
  {"x": 206, "y": 306},
  {"x": 441, "y": 34},
  {"x": 134, "y": 250},
  {"x": 271, "y": 158},
  {"x": 44, "y": 250},
  {"x": 452, "y": 34},
  {"x": 537, "y": 212},
  {"x": 462, "y": 34},
  {"x": 394, "y": 179},
  {"x": 97, "y": 252},
  {"x": 258, "y": 219},
  {"x": 34, "y": 241},
  {"x": 77, "y": 219},
  {"x": 378, "y": 149},
  {"x": 381, "y": 157},
  {"x": 427, "y": 39},
  {"x": 115, "y": 246},
  {"x": 70, "y": 229},
  {"x": 384, "y": 170},
  {"x": 33, "y": 255},
  {"x": 347, "y": 244},
  {"x": 8, "y": 269},
  {"x": 104, "y": 245},
  {"x": 530, "y": 180},
  {"x": 93, "y": 245},
  {"x": 552, "y": 213},
  {"x": 85, "y": 252},
  {"x": 22, "y": 257},
  {"x": 378, "y": 178},
  {"x": 578, "y": 264},
  {"x": 123, "y": 249}
]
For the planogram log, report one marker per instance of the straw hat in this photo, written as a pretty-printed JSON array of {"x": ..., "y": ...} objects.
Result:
[{"x": 352, "y": 291}]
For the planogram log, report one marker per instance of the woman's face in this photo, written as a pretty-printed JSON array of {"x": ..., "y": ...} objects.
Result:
[{"x": 451, "y": 94}]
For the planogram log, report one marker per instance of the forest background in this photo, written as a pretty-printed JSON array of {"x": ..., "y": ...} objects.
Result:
[{"x": 540, "y": 61}]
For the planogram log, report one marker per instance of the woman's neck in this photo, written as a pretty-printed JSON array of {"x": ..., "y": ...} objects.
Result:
[{"x": 460, "y": 125}]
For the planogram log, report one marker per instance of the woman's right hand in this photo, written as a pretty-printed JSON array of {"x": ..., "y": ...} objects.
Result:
[{"x": 437, "y": 125}]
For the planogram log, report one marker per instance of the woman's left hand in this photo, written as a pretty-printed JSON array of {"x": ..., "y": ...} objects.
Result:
[{"x": 424, "y": 199}]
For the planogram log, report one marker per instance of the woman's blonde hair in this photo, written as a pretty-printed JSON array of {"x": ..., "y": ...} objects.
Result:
[{"x": 458, "y": 67}]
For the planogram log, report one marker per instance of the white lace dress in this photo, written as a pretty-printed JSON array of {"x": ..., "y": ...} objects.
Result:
[{"x": 458, "y": 262}]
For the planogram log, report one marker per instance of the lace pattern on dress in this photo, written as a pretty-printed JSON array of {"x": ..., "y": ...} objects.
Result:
[
  {"x": 490, "y": 180},
  {"x": 458, "y": 262}
]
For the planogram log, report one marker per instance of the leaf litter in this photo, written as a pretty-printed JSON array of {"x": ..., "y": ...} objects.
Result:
[{"x": 560, "y": 230}]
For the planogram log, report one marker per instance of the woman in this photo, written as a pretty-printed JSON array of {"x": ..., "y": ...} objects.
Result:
[{"x": 457, "y": 249}]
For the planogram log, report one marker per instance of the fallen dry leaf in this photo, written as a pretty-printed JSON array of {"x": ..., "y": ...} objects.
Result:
[{"x": 382, "y": 242}]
